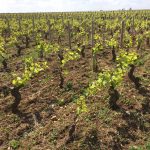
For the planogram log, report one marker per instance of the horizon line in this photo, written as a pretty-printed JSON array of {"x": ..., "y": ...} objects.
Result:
[{"x": 123, "y": 9}]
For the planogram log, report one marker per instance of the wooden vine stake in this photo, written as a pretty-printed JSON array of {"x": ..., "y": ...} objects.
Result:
[
  {"x": 94, "y": 60},
  {"x": 69, "y": 35},
  {"x": 33, "y": 27},
  {"x": 61, "y": 57},
  {"x": 62, "y": 19},
  {"x": 148, "y": 38},
  {"x": 33, "y": 23},
  {"x": 133, "y": 32},
  {"x": 19, "y": 23},
  {"x": 8, "y": 26},
  {"x": 49, "y": 29},
  {"x": 103, "y": 34},
  {"x": 133, "y": 25},
  {"x": 122, "y": 33}
]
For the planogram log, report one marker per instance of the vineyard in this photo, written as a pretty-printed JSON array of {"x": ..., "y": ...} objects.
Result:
[{"x": 75, "y": 81}]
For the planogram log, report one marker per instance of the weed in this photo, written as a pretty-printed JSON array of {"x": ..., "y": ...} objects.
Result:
[{"x": 14, "y": 144}]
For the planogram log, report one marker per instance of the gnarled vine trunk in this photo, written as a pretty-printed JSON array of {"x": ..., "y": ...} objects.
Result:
[
  {"x": 131, "y": 76},
  {"x": 114, "y": 96},
  {"x": 113, "y": 54},
  {"x": 16, "y": 94},
  {"x": 4, "y": 62},
  {"x": 148, "y": 41},
  {"x": 95, "y": 67},
  {"x": 27, "y": 39},
  {"x": 19, "y": 48},
  {"x": 41, "y": 54},
  {"x": 60, "y": 56},
  {"x": 83, "y": 51}
]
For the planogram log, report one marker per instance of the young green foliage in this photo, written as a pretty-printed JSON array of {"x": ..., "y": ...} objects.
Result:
[{"x": 31, "y": 69}]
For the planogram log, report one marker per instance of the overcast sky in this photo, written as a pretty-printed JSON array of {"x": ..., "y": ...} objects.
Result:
[{"x": 70, "y": 5}]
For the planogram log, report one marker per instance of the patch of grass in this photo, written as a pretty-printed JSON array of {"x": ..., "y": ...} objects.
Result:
[
  {"x": 6, "y": 130},
  {"x": 46, "y": 78},
  {"x": 91, "y": 140},
  {"x": 74, "y": 98},
  {"x": 53, "y": 136},
  {"x": 14, "y": 144},
  {"x": 104, "y": 114},
  {"x": 68, "y": 86},
  {"x": 136, "y": 148},
  {"x": 145, "y": 147},
  {"x": 88, "y": 118},
  {"x": 60, "y": 102},
  {"x": 148, "y": 146},
  {"x": 127, "y": 102},
  {"x": 15, "y": 118}
]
